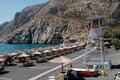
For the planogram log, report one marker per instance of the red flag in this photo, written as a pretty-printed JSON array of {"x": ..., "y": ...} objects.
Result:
[{"x": 70, "y": 65}]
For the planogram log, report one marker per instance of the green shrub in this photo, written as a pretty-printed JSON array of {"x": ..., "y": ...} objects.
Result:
[
  {"x": 114, "y": 33},
  {"x": 116, "y": 43}
]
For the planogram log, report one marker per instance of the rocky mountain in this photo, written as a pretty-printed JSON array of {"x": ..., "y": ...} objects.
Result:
[{"x": 56, "y": 21}]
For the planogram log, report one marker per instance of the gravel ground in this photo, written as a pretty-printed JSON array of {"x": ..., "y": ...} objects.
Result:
[
  {"x": 111, "y": 54},
  {"x": 25, "y": 73}
]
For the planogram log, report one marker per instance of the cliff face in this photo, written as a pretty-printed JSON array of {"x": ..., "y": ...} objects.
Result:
[
  {"x": 56, "y": 21},
  {"x": 116, "y": 13}
]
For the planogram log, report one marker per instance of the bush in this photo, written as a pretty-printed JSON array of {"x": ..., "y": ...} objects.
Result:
[
  {"x": 107, "y": 33},
  {"x": 114, "y": 33},
  {"x": 116, "y": 43}
]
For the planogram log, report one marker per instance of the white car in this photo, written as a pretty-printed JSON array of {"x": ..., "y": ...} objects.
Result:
[{"x": 117, "y": 76}]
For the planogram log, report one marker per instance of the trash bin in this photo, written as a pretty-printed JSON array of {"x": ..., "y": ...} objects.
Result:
[
  {"x": 61, "y": 76},
  {"x": 107, "y": 65}
]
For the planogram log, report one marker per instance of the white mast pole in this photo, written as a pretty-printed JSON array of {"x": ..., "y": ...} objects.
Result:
[{"x": 101, "y": 42}]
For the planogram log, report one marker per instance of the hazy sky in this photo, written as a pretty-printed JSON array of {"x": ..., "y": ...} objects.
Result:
[{"x": 8, "y": 8}]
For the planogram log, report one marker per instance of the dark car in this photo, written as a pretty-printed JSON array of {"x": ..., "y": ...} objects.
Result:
[{"x": 41, "y": 60}]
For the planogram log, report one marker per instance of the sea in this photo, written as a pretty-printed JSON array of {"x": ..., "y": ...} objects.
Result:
[{"x": 15, "y": 47}]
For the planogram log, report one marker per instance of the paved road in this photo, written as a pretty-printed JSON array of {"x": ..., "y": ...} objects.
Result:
[{"x": 26, "y": 73}]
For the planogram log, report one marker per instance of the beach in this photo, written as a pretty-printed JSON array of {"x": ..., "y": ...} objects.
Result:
[{"x": 34, "y": 72}]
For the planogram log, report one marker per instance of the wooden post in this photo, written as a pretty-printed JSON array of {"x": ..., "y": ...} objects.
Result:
[{"x": 62, "y": 66}]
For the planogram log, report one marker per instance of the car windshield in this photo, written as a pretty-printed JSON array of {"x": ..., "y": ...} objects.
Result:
[{"x": 118, "y": 75}]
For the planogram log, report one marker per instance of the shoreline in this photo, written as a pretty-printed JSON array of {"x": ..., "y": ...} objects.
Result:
[{"x": 20, "y": 47}]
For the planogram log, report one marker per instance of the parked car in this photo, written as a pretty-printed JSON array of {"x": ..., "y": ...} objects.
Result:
[
  {"x": 117, "y": 76},
  {"x": 41, "y": 60}
]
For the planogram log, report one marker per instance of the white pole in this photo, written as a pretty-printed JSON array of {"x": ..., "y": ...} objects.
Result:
[{"x": 101, "y": 42}]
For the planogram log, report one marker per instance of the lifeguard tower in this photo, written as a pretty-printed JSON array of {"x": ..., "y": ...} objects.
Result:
[{"x": 94, "y": 52}]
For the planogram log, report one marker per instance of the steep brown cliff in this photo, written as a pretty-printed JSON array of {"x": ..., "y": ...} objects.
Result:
[{"x": 56, "y": 21}]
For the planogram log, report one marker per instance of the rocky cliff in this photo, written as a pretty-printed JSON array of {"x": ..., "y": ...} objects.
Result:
[{"x": 56, "y": 21}]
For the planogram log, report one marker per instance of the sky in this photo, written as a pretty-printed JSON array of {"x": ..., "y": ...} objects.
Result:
[{"x": 8, "y": 8}]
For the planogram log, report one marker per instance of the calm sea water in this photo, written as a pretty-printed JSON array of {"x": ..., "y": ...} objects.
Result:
[{"x": 14, "y": 47}]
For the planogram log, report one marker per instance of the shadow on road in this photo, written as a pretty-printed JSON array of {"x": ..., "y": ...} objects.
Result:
[
  {"x": 3, "y": 72},
  {"x": 116, "y": 66}
]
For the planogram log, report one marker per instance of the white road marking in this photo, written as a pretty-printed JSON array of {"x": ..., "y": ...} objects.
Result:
[
  {"x": 2, "y": 78},
  {"x": 44, "y": 73},
  {"x": 53, "y": 69},
  {"x": 40, "y": 67}
]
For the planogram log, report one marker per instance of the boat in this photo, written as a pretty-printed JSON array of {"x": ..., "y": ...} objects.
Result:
[{"x": 84, "y": 72}]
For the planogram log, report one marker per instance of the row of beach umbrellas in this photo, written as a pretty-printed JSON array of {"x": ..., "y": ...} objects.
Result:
[
  {"x": 20, "y": 55},
  {"x": 59, "y": 60},
  {"x": 23, "y": 54}
]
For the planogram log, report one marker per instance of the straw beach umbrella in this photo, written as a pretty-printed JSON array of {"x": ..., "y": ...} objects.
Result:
[
  {"x": 61, "y": 60},
  {"x": 1, "y": 56},
  {"x": 46, "y": 52},
  {"x": 61, "y": 50},
  {"x": 7, "y": 54},
  {"x": 14, "y": 54},
  {"x": 36, "y": 53},
  {"x": 1, "y": 59},
  {"x": 54, "y": 49},
  {"x": 23, "y": 55}
]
